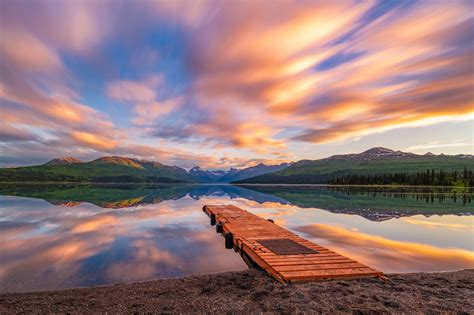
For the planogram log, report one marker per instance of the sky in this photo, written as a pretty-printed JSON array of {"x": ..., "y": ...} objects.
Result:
[{"x": 225, "y": 84}]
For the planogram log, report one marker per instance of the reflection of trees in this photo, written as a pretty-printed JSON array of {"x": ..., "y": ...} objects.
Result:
[
  {"x": 375, "y": 203},
  {"x": 426, "y": 194}
]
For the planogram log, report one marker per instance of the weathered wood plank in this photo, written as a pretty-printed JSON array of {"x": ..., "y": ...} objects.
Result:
[
  {"x": 311, "y": 262},
  {"x": 350, "y": 265},
  {"x": 247, "y": 229},
  {"x": 335, "y": 273}
]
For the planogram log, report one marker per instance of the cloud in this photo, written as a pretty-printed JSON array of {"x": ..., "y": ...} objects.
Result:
[
  {"x": 356, "y": 129},
  {"x": 418, "y": 77},
  {"x": 77, "y": 26},
  {"x": 437, "y": 145},
  {"x": 148, "y": 113},
  {"x": 28, "y": 52},
  {"x": 271, "y": 70},
  {"x": 94, "y": 140},
  {"x": 134, "y": 92},
  {"x": 315, "y": 72},
  {"x": 10, "y": 133}
]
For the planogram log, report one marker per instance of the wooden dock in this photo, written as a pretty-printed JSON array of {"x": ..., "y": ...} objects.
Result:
[{"x": 283, "y": 254}]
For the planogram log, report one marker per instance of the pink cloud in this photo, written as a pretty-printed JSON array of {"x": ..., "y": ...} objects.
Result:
[{"x": 129, "y": 91}]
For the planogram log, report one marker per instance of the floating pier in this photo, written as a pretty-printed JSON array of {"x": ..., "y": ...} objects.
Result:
[{"x": 281, "y": 253}]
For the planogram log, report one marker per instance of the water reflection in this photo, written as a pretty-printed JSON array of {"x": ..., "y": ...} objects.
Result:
[
  {"x": 376, "y": 203},
  {"x": 372, "y": 203},
  {"x": 390, "y": 255},
  {"x": 55, "y": 247},
  {"x": 426, "y": 194},
  {"x": 123, "y": 196},
  {"x": 68, "y": 236}
]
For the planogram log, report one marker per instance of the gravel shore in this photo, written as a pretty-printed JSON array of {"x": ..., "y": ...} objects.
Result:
[{"x": 253, "y": 291}]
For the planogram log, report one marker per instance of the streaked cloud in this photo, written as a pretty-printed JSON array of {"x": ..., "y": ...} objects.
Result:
[
  {"x": 159, "y": 76},
  {"x": 436, "y": 145}
]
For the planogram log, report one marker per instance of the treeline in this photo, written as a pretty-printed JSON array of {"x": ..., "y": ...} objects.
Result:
[{"x": 428, "y": 178}]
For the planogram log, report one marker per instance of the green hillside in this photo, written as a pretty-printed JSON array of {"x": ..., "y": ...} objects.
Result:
[
  {"x": 320, "y": 171},
  {"x": 108, "y": 169}
]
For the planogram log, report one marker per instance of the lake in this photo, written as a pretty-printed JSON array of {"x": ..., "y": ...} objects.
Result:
[{"x": 62, "y": 236}]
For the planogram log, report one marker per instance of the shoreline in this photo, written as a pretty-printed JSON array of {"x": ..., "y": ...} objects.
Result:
[
  {"x": 223, "y": 184},
  {"x": 254, "y": 291}
]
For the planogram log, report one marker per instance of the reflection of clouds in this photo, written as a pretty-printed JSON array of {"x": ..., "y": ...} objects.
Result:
[
  {"x": 97, "y": 222},
  {"x": 445, "y": 225},
  {"x": 49, "y": 247},
  {"x": 389, "y": 255},
  {"x": 11, "y": 229},
  {"x": 94, "y": 246},
  {"x": 42, "y": 256},
  {"x": 273, "y": 210},
  {"x": 146, "y": 262}
]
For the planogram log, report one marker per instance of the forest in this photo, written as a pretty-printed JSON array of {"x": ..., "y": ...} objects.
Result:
[{"x": 427, "y": 178}]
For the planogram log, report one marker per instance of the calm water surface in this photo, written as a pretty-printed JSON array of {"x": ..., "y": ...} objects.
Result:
[{"x": 69, "y": 236}]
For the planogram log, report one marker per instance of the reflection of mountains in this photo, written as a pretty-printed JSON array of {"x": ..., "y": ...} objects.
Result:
[
  {"x": 124, "y": 196},
  {"x": 376, "y": 204}
]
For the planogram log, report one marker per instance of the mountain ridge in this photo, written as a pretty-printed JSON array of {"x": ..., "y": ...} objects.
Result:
[
  {"x": 63, "y": 161},
  {"x": 129, "y": 169},
  {"x": 233, "y": 174},
  {"x": 376, "y": 160},
  {"x": 105, "y": 169},
  {"x": 126, "y": 169}
]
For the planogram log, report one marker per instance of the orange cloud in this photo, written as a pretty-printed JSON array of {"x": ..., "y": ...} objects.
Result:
[{"x": 94, "y": 140}]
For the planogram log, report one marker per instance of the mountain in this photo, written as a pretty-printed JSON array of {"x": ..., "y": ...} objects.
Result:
[
  {"x": 374, "y": 153},
  {"x": 106, "y": 169},
  {"x": 253, "y": 171},
  {"x": 63, "y": 161},
  {"x": 130, "y": 170},
  {"x": 208, "y": 176},
  {"x": 123, "y": 169},
  {"x": 374, "y": 161}
]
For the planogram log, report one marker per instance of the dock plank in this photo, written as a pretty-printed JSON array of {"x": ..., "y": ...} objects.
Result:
[{"x": 290, "y": 264}]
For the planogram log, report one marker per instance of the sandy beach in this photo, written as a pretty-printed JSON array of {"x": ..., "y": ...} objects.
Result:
[{"x": 253, "y": 291}]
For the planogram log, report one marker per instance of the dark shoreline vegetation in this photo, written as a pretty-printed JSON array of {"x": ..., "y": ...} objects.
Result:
[
  {"x": 428, "y": 178},
  {"x": 253, "y": 291},
  {"x": 387, "y": 172}
]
